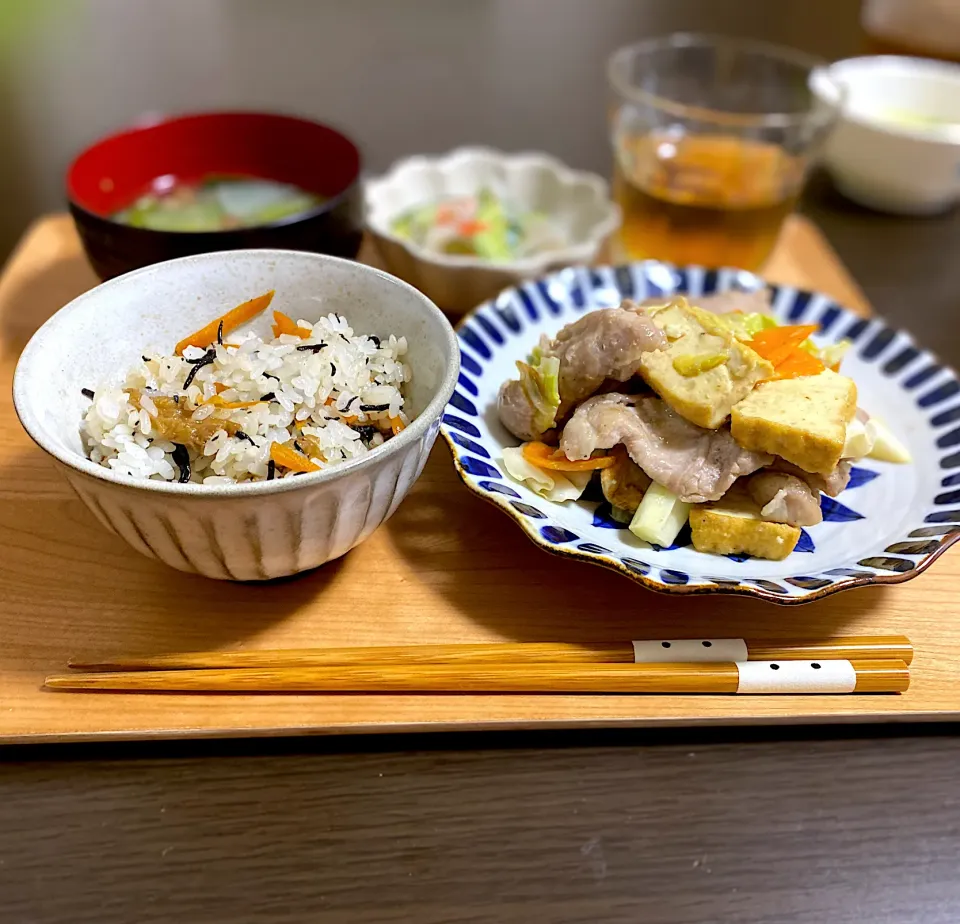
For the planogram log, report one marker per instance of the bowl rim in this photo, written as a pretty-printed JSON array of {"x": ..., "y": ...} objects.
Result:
[
  {"x": 38, "y": 432},
  {"x": 862, "y": 65},
  {"x": 210, "y": 237},
  {"x": 572, "y": 253}
]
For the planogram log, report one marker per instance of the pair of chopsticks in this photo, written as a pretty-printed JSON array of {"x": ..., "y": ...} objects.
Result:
[{"x": 861, "y": 664}]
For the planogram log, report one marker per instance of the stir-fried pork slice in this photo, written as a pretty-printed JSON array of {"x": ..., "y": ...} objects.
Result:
[
  {"x": 725, "y": 302},
  {"x": 695, "y": 464},
  {"x": 831, "y": 484},
  {"x": 785, "y": 498},
  {"x": 605, "y": 344},
  {"x": 602, "y": 345},
  {"x": 516, "y": 412}
]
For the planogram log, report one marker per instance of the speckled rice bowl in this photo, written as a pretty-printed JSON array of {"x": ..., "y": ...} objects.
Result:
[{"x": 228, "y": 521}]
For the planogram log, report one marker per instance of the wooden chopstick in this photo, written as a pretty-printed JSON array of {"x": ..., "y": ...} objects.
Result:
[
  {"x": 828, "y": 676},
  {"x": 864, "y": 648}
]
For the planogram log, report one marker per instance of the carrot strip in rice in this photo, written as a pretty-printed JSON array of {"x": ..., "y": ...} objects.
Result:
[
  {"x": 291, "y": 459},
  {"x": 226, "y": 323},
  {"x": 284, "y": 324}
]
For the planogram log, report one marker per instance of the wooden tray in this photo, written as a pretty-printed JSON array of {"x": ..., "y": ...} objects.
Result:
[{"x": 446, "y": 568}]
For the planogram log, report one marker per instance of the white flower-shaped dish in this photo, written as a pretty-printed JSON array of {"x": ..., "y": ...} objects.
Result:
[
  {"x": 577, "y": 203},
  {"x": 891, "y": 523}
]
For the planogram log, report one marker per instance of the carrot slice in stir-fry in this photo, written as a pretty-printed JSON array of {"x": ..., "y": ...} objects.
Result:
[
  {"x": 781, "y": 347},
  {"x": 777, "y": 343},
  {"x": 543, "y": 456},
  {"x": 284, "y": 324},
  {"x": 798, "y": 363},
  {"x": 230, "y": 321},
  {"x": 291, "y": 459}
]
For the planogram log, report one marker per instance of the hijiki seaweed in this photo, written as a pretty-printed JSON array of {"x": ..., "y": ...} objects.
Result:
[
  {"x": 181, "y": 458},
  {"x": 195, "y": 434},
  {"x": 209, "y": 357}
]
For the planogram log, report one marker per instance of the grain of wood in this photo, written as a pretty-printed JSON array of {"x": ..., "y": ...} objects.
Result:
[
  {"x": 874, "y": 647},
  {"x": 448, "y": 569},
  {"x": 572, "y": 828}
]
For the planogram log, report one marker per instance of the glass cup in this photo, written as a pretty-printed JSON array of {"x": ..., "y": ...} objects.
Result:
[{"x": 712, "y": 140}]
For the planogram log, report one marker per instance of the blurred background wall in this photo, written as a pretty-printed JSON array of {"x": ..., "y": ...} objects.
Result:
[{"x": 398, "y": 75}]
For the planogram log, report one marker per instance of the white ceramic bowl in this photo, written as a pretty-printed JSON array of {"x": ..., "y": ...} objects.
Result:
[
  {"x": 577, "y": 202},
  {"x": 251, "y": 531},
  {"x": 881, "y": 159}
]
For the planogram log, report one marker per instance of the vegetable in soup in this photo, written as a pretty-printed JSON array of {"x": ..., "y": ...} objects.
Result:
[{"x": 216, "y": 204}]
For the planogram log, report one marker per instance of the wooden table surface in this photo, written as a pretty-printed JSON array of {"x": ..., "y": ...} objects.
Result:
[{"x": 769, "y": 826}]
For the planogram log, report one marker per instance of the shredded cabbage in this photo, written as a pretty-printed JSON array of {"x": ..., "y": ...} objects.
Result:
[
  {"x": 541, "y": 387},
  {"x": 831, "y": 355},
  {"x": 746, "y": 326},
  {"x": 554, "y": 486},
  {"x": 887, "y": 447},
  {"x": 860, "y": 439},
  {"x": 755, "y": 322},
  {"x": 492, "y": 242}
]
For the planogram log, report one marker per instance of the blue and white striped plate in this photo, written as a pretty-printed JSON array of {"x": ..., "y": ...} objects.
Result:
[{"x": 890, "y": 524}]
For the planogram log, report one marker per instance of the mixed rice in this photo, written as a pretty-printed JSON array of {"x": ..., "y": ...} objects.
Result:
[{"x": 231, "y": 407}]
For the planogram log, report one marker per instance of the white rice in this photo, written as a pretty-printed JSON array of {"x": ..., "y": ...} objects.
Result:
[{"x": 351, "y": 382}]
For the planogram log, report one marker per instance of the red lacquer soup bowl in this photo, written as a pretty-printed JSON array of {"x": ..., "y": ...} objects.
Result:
[{"x": 112, "y": 173}]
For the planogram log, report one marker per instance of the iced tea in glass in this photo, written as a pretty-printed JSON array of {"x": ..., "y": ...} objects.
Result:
[{"x": 712, "y": 139}]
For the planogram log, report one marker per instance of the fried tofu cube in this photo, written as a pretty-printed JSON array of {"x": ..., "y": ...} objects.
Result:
[
  {"x": 705, "y": 370},
  {"x": 804, "y": 420},
  {"x": 734, "y": 526}
]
